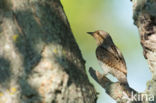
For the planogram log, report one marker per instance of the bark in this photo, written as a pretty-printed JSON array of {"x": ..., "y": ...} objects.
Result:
[
  {"x": 40, "y": 61},
  {"x": 144, "y": 15},
  {"x": 145, "y": 19},
  {"x": 118, "y": 91}
]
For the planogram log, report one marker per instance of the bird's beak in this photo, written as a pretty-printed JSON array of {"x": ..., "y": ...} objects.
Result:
[{"x": 91, "y": 33}]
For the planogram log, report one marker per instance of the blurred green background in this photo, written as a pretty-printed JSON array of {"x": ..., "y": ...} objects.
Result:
[{"x": 115, "y": 17}]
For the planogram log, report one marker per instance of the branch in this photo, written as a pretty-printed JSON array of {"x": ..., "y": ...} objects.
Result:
[{"x": 120, "y": 92}]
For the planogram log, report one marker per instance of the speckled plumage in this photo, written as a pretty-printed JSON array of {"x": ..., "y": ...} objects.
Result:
[{"x": 110, "y": 58}]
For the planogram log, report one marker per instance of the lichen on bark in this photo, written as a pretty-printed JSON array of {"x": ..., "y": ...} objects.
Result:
[{"x": 44, "y": 63}]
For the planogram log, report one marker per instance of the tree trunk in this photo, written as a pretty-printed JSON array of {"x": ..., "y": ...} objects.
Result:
[
  {"x": 145, "y": 19},
  {"x": 40, "y": 61}
]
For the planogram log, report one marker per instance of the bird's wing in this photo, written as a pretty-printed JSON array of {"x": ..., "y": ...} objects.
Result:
[{"x": 112, "y": 57}]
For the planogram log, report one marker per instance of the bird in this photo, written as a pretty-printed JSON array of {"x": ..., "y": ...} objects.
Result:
[{"x": 109, "y": 56}]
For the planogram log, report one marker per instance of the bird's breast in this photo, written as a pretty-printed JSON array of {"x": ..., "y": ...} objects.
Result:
[{"x": 105, "y": 67}]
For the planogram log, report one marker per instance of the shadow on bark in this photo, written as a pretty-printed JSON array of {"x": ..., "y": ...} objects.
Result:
[
  {"x": 76, "y": 74},
  {"x": 5, "y": 72},
  {"x": 48, "y": 28},
  {"x": 37, "y": 31},
  {"x": 28, "y": 93},
  {"x": 41, "y": 25}
]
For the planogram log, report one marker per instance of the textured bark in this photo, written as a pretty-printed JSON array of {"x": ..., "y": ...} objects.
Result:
[
  {"x": 118, "y": 91},
  {"x": 145, "y": 19},
  {"x": 40, "y": 61}
]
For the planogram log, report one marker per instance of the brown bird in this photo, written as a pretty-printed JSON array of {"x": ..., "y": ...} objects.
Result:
[{"x": 110, "y": 58}]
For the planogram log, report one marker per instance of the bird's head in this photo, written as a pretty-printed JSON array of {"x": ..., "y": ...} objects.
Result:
[{"x": 100, "y": 36}]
